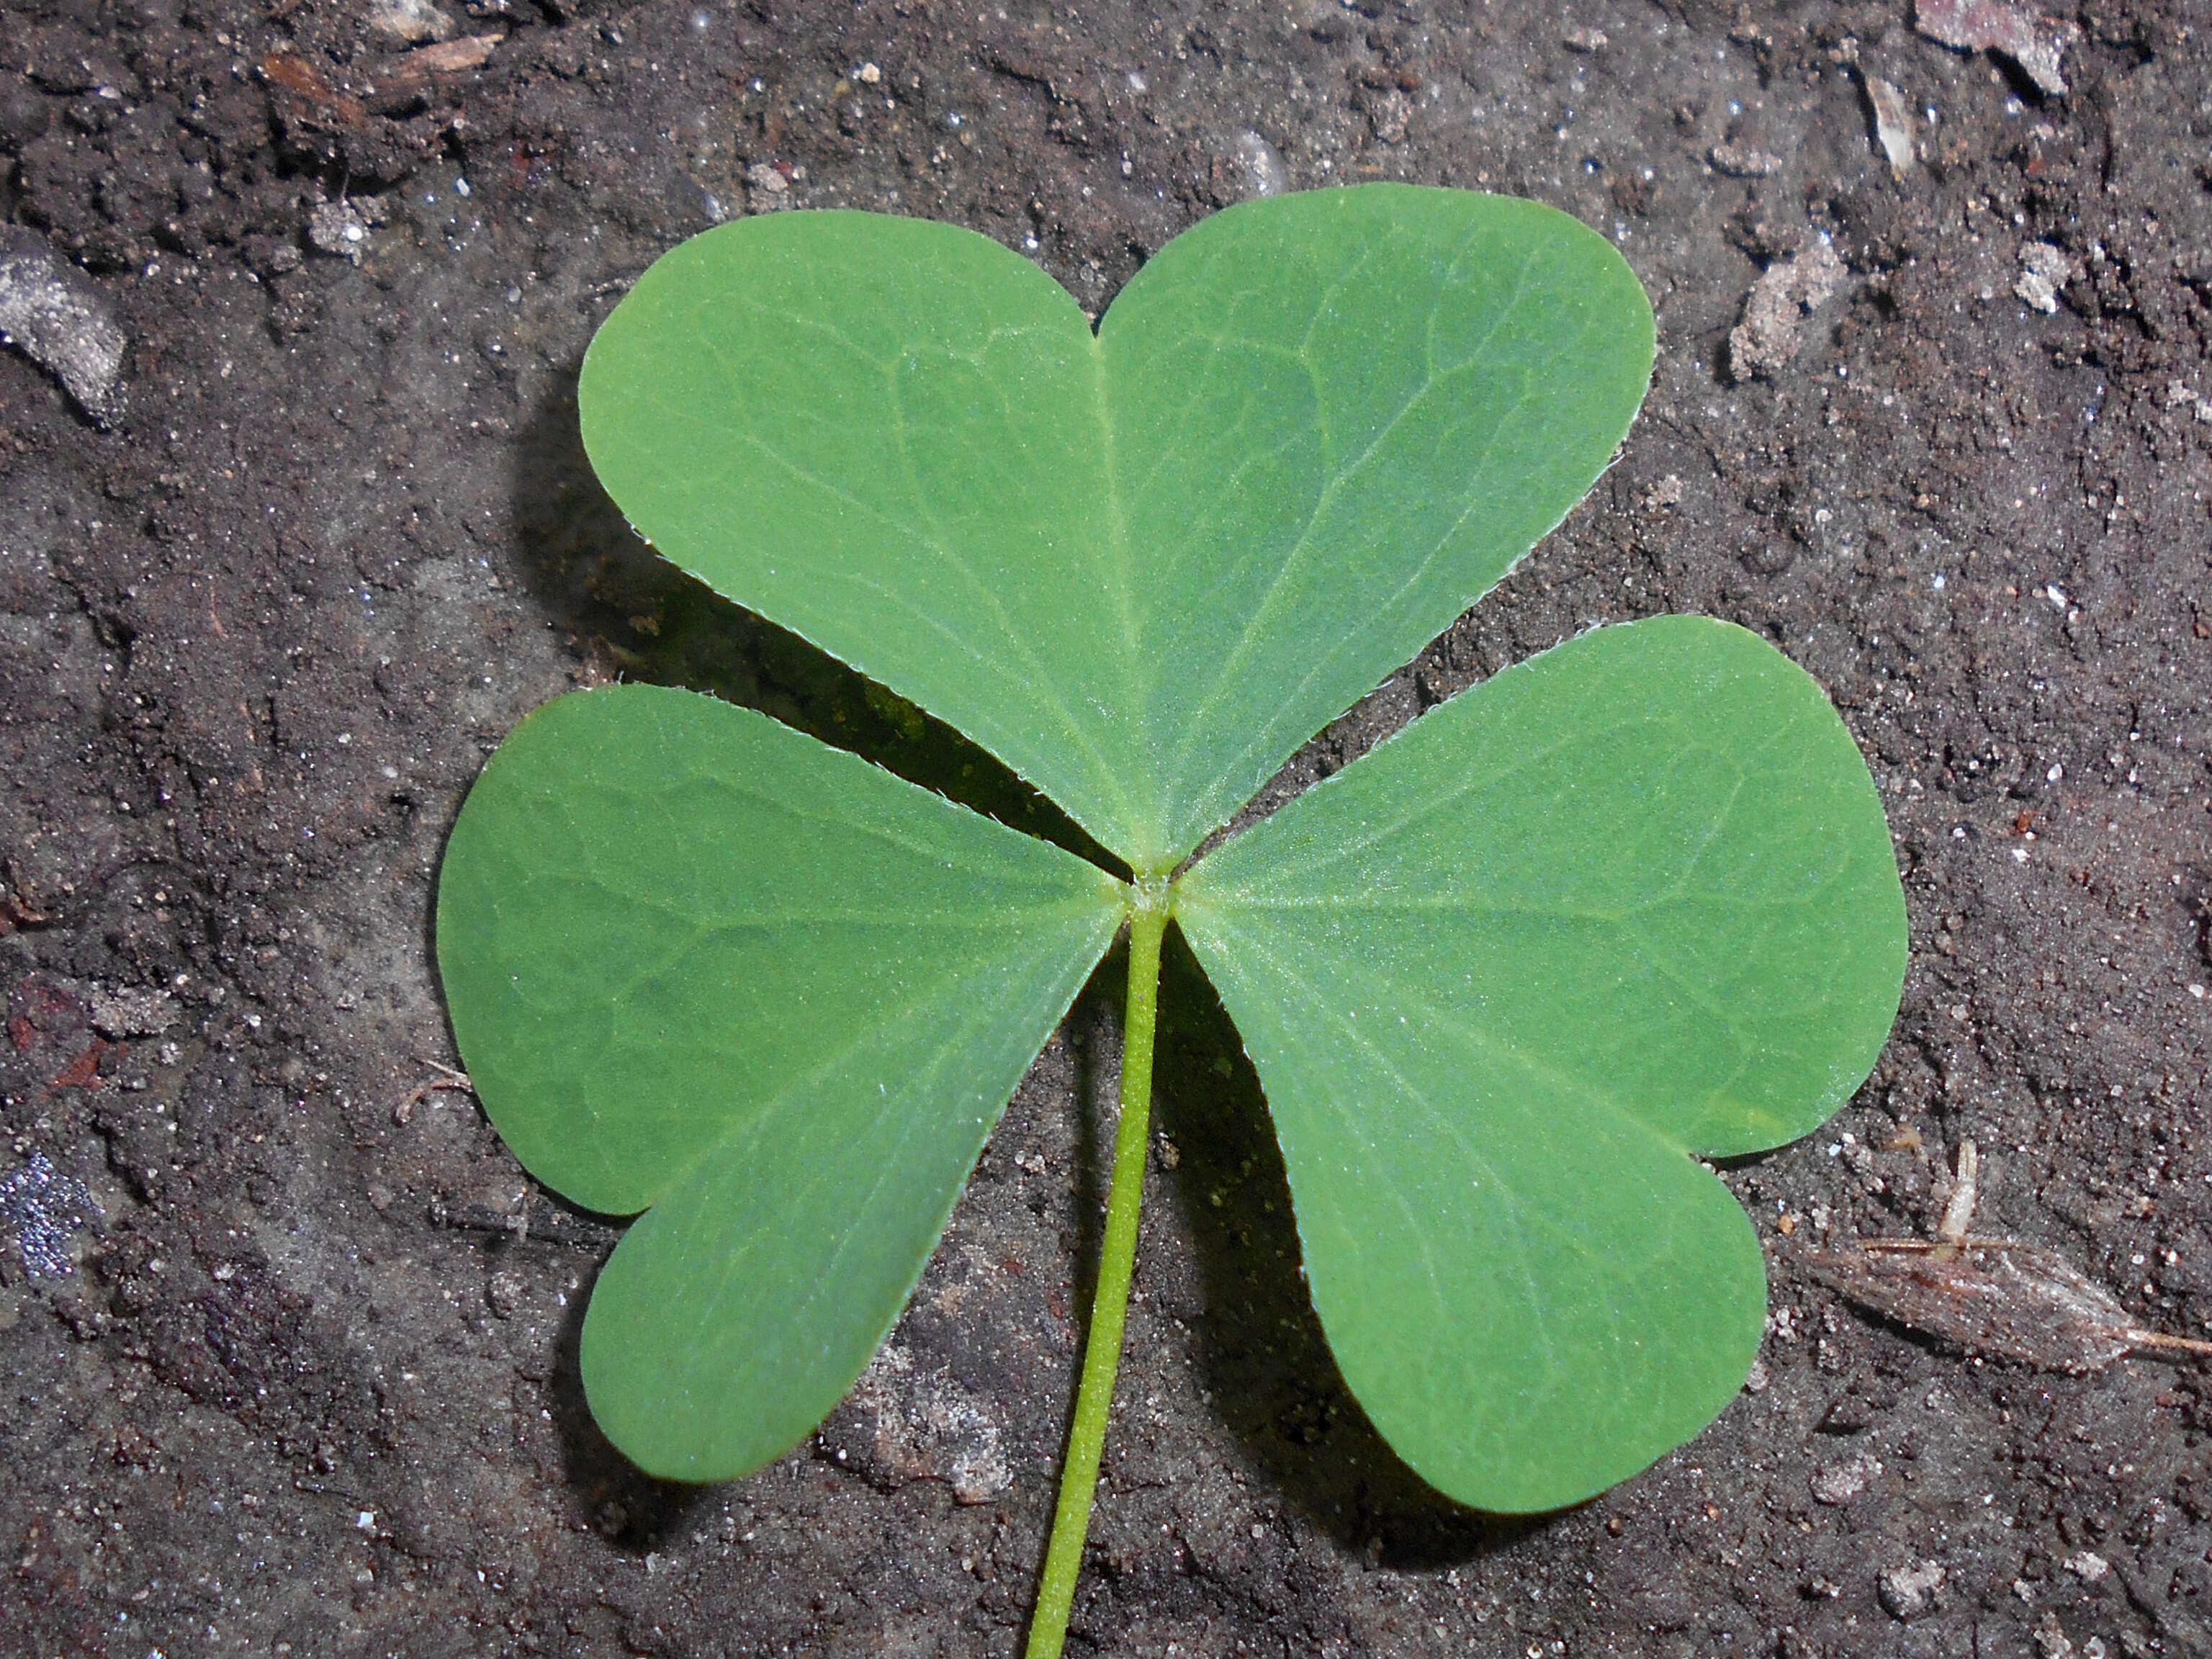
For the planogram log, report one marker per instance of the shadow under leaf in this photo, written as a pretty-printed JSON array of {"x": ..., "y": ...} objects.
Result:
[{"x": 633, "y": 1511}]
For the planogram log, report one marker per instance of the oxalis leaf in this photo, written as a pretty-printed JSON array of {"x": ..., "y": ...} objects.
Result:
[{"x": 1630, "y": 902}]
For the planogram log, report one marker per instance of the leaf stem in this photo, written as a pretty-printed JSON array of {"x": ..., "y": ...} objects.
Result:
[{"x": 1117, "y": 1260}]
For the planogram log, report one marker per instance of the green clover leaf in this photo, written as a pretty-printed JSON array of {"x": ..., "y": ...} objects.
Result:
[{"x": 1504, "y": 979}]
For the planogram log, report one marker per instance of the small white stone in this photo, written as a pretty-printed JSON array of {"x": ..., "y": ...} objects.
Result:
[
  {"x": 1840, "y": 1483},
  {"x": 1264, "y": 168},
  {"x": 1908, "y": 1592},
  {"x": 2088, "y": 1566},
  {"x": 414, "y": 21},
  {"x": 2044, "y": 269},
  {"x": 59, "y": 319}
]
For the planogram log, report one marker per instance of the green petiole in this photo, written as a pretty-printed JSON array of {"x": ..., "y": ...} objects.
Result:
[{"x": 1117, "y": 1262}]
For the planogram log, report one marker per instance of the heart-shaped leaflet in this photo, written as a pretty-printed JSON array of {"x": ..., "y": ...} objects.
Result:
[
  {"x": 1631, "y": 901},
  {"x": 1140, "y": 565}
]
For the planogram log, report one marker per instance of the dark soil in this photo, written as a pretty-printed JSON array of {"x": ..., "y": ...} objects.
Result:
[{"x": 311, "y": 1386}]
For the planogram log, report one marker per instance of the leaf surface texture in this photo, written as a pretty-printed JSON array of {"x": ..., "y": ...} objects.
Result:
[
  {"x": 700, "y": 962},
  {"x": 1141, "y": 566},
  {"x": 1631, "y": 901}
]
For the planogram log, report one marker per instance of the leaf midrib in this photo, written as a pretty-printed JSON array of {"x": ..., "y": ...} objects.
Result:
[{"x": 1323, "y": 500}]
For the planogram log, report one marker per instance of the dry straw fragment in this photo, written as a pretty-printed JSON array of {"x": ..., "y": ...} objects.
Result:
[
  {"x": 1893, "y": 124},
  {"x": 1995, "y": 1297}
]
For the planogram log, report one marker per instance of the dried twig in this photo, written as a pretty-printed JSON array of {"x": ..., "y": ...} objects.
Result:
[
  {"x": 1965, "y": 1194},
  {"x": 446, "y": 1079},
  {"x": 410, "y": 75},
  {"x": 1998, "y": 1297},
  {"x": 307, "y": 95}
]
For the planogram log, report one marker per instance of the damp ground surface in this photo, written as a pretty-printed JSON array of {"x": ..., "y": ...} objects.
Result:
[{"x": 287, "y": 1341}]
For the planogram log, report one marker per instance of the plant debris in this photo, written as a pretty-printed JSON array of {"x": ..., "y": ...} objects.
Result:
[
  {"x": 1997, "y": 1296},
  {"x": 17, "y": 912},
  {"x": 304, "y": 97},
  {"x": 443, "y": 1079},
  {"x": 2037, "y": 44},
  {"x": 1893, "y": 124},
  {"x": 401, "y": 80}
]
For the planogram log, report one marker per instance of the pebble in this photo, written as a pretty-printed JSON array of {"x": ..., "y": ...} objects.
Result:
[
  {"x": 1839, "y": 1483},
  {"x": 341, "y": 228},
  {"x": 120, "y": 1013},
  {"x": 57, "y": 317},
  {"x": 1774, "y": 312},
  {"x": 2037, "y": 44},
  {"x": 2088, "y": 1566},
  {"x": 1908, "y": 1592},
  {"x": 504, "y": 1292},
  {"x": 2045, "y": 268},
  {"x": 411, "y": 21},
  {"x": 905, "y": 1422},
  {"x": 42, "y": 1207},
  {"x": 1739, "y": 161},
  {"x": 1265, "y": 172},
  {"x": 768, "y": 188}
]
